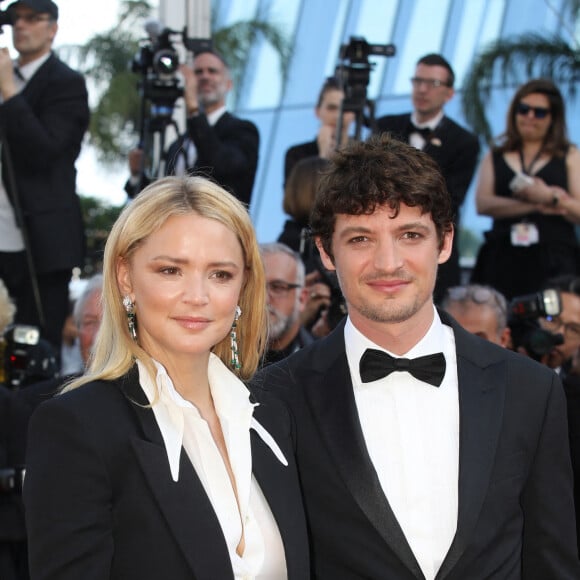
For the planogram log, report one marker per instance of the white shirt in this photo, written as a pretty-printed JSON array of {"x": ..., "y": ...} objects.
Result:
[
  {"x": 411, "y": 430},
  {"x": 416, "y": 139},
  {"x": 11, "y": 239},
  {"x": 182, "y": 425}
]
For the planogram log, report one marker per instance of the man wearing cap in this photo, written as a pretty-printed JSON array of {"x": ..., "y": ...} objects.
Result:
[{"x": 44, "y": 114}]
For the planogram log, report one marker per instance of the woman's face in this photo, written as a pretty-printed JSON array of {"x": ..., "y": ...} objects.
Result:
[
  {"x": 329, "y": 109},
  {"x": 533, "y": 117},
  {"x": 185, "y": 281}
]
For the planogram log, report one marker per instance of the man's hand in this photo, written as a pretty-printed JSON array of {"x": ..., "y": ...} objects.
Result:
[
  {"x": 7, "y": 84},
  {"x": 190, "y": 89}
]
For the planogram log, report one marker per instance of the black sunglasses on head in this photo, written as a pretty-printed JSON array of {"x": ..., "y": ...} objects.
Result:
[{"x": 539, "y": 112}]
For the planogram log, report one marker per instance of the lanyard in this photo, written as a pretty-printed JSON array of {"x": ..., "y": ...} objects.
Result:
[{"x": 528, "y": 170}]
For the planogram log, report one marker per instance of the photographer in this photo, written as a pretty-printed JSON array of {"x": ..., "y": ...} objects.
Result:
[
  {"x": 216, "y": 143},
  {"x": 44, "y": 114}
]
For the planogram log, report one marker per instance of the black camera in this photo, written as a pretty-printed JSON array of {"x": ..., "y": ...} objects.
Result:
[
  {"x": 526, "y": 332},
  {"x": 26, "y": 357}
]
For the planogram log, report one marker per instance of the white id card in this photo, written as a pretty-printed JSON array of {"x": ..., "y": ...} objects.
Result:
[{"x": 524, "y": 234}]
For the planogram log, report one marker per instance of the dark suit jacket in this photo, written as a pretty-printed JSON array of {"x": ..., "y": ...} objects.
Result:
[
  {"x": 44, "y": 126},
  {"x": 298, "y": 152},
  {"x": 456, "y": 151},
  {"x": 516, "y": 511},
  {"x": 101, "y": 504},
  {"x": 226, "y": 152}
]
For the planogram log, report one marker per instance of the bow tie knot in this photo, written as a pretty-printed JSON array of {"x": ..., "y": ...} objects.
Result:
[{"x": 376, "y": 364}]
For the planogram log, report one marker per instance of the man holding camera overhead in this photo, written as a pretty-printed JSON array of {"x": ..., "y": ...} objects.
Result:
[
  {"x": 44, "y": 114},
  {"x": 216, "y": 143}
]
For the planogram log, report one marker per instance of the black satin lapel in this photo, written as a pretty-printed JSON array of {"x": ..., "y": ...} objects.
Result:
[
  {"x": 481, "y": 404},
  {"x": 184, "y": 503},
  {"x": 280, "y": 486},
  {"x": 337, "y": 418}
]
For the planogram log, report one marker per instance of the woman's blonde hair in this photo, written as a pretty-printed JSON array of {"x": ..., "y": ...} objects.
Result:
[{"x": 114, "y": 351}]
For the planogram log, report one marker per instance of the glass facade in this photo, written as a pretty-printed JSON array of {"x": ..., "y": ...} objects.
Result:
[{"x": 284, "y": 113}]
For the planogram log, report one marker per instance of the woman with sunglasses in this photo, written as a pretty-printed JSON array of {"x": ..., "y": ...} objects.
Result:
[{"x": 529, "y": 183}]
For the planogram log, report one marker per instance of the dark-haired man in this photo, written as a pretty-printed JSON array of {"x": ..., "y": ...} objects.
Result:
[
  {"x": 44, "y": 114},
  {"x": 216, "y": 143},
  {"x": 424, "y": 451},
  {"x": 455, "y": 149}
]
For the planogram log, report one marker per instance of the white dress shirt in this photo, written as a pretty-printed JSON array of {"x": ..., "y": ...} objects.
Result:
[
  {"x": 411, "y": 430},
  {"x": 181, "y": 425}
]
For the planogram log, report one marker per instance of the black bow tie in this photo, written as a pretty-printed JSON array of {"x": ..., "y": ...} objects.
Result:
[
  {"x": 376, "y": 364},
  {"x": 425, "y": 132}
]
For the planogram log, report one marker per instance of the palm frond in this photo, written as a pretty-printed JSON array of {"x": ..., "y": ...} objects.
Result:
[{"x": 511, "y": 61}]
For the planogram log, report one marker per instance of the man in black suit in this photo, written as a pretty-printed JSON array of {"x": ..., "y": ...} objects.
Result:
[
  {"x": 216, "y": 144},
  {"x": 44, "y": 114},
  {"x": 429, "y": 129},
  {"x": 424, "y": 451}
]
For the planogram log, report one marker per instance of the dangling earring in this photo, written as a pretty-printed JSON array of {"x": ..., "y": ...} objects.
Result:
[
  {"x": 235, "y": 362},
  {"x": 129, "y": 306}
]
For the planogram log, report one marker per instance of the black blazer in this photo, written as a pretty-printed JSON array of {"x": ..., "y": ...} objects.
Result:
[
  {"x": 44, "y": 127},
  {"x": 516, "y": 510},
  {"x": 101, "y": 504},
  {"x": 226, "y": 153}
]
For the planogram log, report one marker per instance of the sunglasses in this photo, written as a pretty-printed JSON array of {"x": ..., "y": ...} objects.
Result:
[{"x": 539, "y": 112}]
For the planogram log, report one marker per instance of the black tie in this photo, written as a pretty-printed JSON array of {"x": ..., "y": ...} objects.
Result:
[
  {"x": 18, "y": 73},
  {"x": 425, "y": 132},
  {"x": 376, "y": 364}
]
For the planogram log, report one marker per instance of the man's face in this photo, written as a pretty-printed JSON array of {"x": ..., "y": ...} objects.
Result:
[
  {"x": 89, "y": 323},
  {"x": 32, "y": 33},
  {"x": 568, "y": 324},
  {"x": 213, "y": 80},
  {"x": 428, "y": 100},
  {"x": 386, "y": 267},
  {"x": 479, "y": 319},
  {"x": 284, "y": 297}
]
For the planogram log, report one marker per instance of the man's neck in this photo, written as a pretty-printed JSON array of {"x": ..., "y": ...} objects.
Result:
[{"x": 24, "y": 59}]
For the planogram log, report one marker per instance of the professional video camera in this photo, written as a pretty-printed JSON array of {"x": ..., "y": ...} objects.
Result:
[
  {"x": 526, "y": 332},
  {"x": 354, "y": 74},
  {"x": 26, "y": 357},
  {"x": 157, "y": 63}
]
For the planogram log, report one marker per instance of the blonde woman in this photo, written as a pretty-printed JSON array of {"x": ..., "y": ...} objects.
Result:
[{"x": 157, "y": 463}]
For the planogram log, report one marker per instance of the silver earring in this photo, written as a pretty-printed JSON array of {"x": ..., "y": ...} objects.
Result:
[
  {"x": 129, "y": 306},
  {"x": 235, "y": 362}
]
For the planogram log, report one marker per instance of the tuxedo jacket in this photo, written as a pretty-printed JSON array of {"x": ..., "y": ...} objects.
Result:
[
  {"x": 515, "y": 504},
  {"x": 227, "y": 153},
  {"x": 43, "y": 127},
  {"x": 101, "y": 504}
]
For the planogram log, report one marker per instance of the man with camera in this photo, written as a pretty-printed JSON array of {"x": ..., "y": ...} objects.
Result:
[
  {"x": 455, "y": 149},
  {"x": 216, "y": 143},
  {"x": 44, "y": 114}
]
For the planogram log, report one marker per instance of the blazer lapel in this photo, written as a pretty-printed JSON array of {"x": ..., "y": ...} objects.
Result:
[
  {"x": 281, "y": 489},
  {"x": 481, "y": 402},
  {"x": 184, "y": 503},
  {"x": 337, "y": 419}
]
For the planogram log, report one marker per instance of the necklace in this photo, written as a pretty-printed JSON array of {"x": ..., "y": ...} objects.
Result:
[{"x": 528, "y": 170}]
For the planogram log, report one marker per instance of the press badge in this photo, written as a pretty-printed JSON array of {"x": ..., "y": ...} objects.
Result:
[{"x": 524, "y": 234}]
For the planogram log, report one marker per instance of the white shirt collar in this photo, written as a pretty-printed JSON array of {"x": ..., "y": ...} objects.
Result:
[
  {"x": 215, "y": 116},
  {"x": 231, "y": 401},
  {"x": 431, "y": 123},
  {"x": 29, "y": 69}
]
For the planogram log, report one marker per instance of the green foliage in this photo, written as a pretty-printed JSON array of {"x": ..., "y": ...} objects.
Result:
[
  {"x": 508, "y": 62},
  {"x": 99, "y": 219},
  {"x": 469, "y": 242},
  {"x": 105, "y": 60}
]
